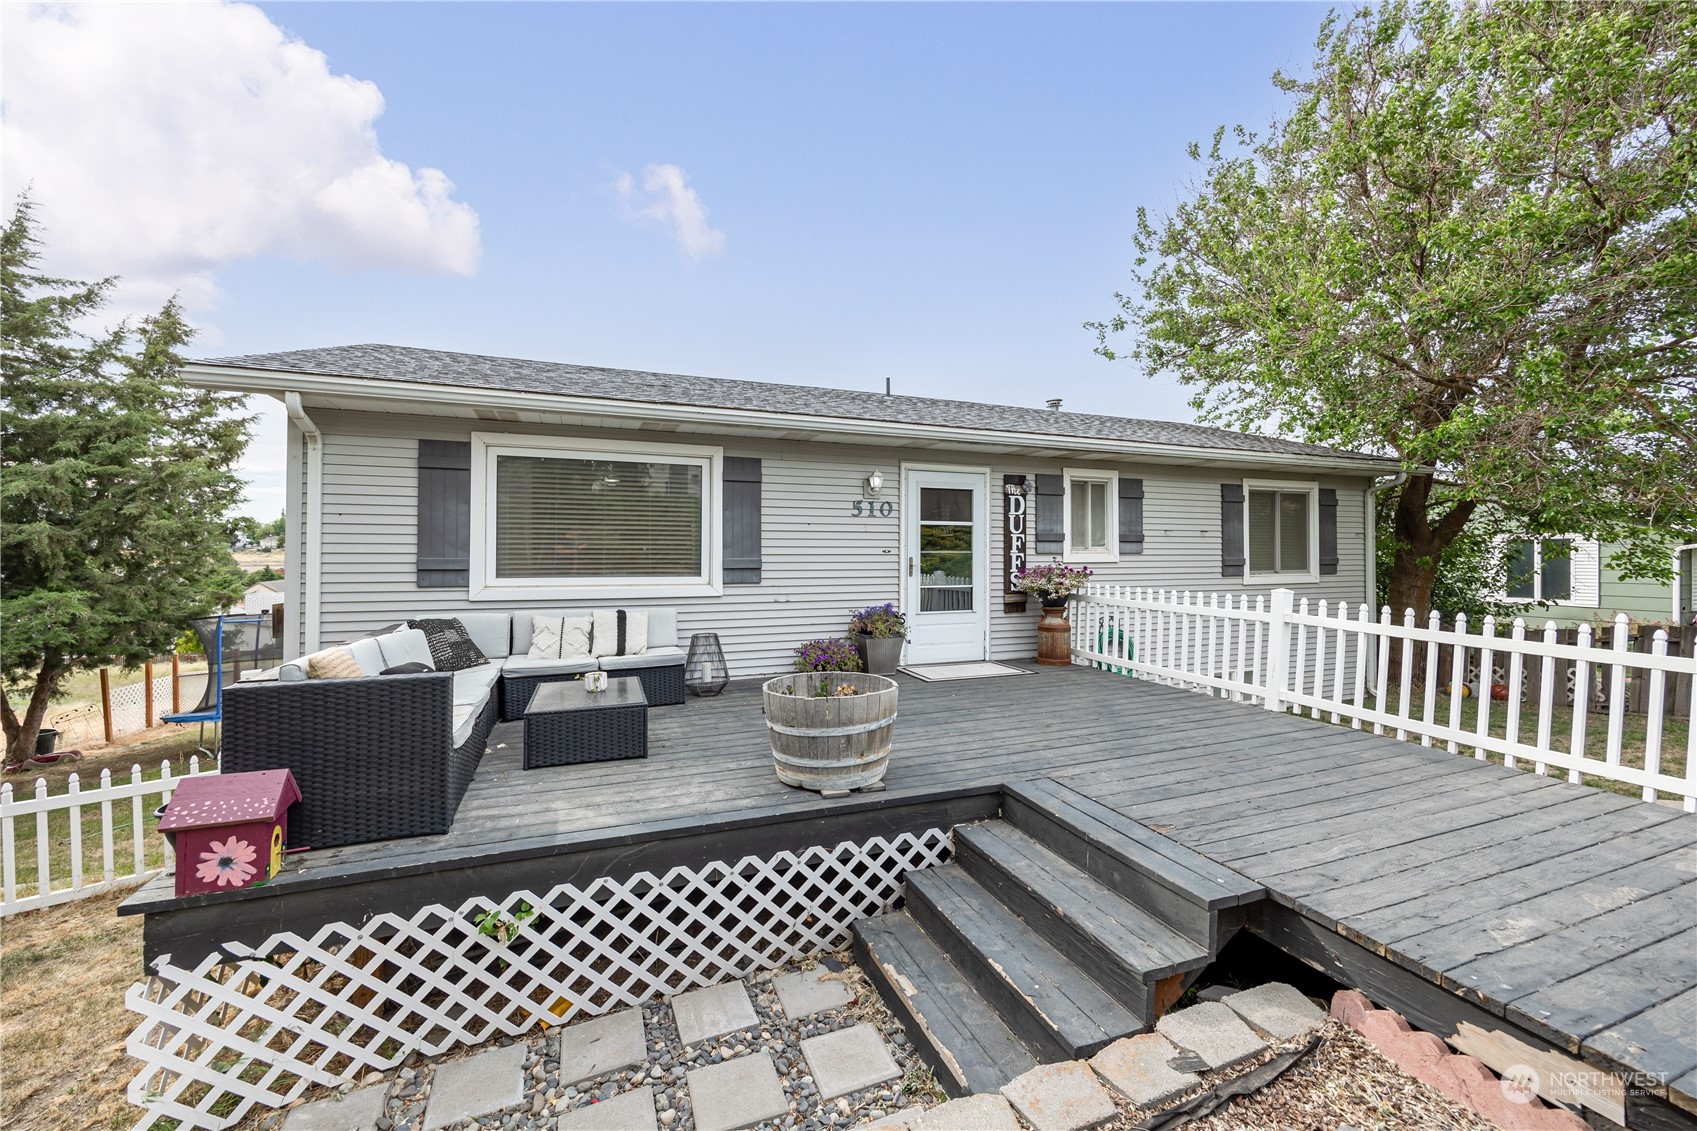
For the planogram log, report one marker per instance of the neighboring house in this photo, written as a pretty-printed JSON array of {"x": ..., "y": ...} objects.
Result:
[
  {"x": 427, "y": 483},
  {"x": 1576, "y": 577},
  {"x": 261, "y": 596}
]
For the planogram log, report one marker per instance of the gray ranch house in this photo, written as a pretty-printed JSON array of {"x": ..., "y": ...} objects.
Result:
[{"x": 425, "y": 483}]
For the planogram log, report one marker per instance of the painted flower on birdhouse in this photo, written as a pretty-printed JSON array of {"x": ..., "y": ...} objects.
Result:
[{"x": 229, "y": 863}]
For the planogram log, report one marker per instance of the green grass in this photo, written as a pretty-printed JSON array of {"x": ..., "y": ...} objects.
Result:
[{"x": 1676, "y": 736}]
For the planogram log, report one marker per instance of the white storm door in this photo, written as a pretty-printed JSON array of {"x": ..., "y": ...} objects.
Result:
[{"x": 945, "y": 584}]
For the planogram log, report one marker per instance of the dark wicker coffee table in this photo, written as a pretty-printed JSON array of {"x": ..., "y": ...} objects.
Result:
[{"x": 565, "y": 724}]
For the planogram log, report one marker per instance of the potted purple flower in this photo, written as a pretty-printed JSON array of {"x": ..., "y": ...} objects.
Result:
[
  {"x": 879, "y": 632},
  {"x": 1052, "y": 584}
]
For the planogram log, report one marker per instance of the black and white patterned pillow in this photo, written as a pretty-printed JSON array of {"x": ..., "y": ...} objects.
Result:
[{"x": 451, "y": 645}]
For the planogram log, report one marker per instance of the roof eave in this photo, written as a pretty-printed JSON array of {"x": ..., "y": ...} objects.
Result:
[{"x": 247, "y": 379}]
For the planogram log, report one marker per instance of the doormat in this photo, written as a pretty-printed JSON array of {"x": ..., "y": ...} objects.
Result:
[{"x": 972, "y": 669}]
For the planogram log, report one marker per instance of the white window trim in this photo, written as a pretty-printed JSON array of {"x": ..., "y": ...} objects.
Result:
[
  {"x": 1087, "y": 475},
  {"x": 1289, "y": 487},
  {"x": 1579, "y": 546},
  {"x": 485, "y": 586}
]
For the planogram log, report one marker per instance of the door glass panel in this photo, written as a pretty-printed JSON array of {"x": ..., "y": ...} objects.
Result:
[
  {"x": 945, "y": 504},
  {"x": 946, "y": 564}
]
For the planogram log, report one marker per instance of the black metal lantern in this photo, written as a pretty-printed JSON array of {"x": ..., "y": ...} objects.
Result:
[{"x": 705, "y": 672}]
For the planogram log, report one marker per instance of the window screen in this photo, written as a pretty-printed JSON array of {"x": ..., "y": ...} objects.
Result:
[
  {"x": 557, "y": 517},
  {"x": 1278, "y": 531},
  {"x": 1089, "y": 515}
]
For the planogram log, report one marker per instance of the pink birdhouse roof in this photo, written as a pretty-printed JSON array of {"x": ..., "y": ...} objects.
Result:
[{"x": 229, "y": 799}]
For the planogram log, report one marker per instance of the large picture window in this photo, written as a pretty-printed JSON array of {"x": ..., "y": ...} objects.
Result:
[
  {"x": 571, "y": 520},
  {"x": 1280, "y": 530}
]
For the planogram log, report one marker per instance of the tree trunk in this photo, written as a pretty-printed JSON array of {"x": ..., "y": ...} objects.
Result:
[
  {"x": 21, "y": 732},
  {"x": 1420, "y": 544}
]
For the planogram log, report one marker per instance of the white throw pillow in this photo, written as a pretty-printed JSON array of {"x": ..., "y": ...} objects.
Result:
[
  {"x": 544, "y": 638},
  {"x": 408, "y": 646},
  {"x": 615, "y": 639},
  {"x": 575, "y": 637}
]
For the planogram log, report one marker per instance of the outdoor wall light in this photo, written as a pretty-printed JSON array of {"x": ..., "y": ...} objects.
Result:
[{"x": 874, "y": 484}]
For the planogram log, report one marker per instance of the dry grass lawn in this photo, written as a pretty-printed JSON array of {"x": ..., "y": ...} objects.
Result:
[{"x": 63, "y": 974}]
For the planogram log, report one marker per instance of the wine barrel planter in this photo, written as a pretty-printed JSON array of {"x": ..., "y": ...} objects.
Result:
[{"x": 830, "y": 741}]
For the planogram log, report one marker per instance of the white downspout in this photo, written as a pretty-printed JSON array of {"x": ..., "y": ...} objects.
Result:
[{"x": 312, "y": 545}]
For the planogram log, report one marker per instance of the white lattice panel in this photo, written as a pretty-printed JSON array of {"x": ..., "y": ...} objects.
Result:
[{"x": 220, "y": 1037}]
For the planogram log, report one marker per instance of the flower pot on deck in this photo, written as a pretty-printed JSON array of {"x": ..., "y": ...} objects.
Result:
[
  {"x": 880, "y": 655},
  {"x": 1054, "y": 634},
  {"x": 830, "y": 741}
]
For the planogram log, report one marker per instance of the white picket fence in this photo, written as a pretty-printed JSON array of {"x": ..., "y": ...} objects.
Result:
[
  {"x": 1336, "y": 660},
  {"x": 131, "y": 848}
]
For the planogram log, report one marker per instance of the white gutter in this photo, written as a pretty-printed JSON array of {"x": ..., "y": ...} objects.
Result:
[
  {"x": 1372, "y": 528},
  {"x": 241, "y": 379},
  {"x": 312, "y": 545}
]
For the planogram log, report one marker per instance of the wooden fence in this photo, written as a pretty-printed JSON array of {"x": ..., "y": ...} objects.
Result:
[
  {"x": 85, "y": 841},
  {"x": 1337, "y": 661}
]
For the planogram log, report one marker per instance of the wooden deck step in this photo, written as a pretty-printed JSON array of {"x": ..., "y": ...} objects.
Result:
[
  {"x": 1127, "y": 949},
  {"x": 955, "y": 1030},
  {"x": 1047, "y": 999},
  {"x": 1183, "y": 888}
]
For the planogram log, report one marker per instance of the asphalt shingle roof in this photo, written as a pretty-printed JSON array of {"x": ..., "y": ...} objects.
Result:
[{"x": 439, "y": 367}]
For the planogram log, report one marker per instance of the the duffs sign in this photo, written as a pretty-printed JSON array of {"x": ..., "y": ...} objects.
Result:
[{"x": 1016, "y": 528}]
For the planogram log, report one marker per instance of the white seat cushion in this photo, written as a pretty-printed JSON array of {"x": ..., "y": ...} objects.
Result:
[
  {"x": 465, "y": 717},
  {"x": 653, "y": 658},
  {"x": 471, "y": 685},
  {"x": 531, "y": 665}
]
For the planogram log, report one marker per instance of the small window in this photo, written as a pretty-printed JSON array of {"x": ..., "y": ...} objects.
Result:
[
  {"x": 1090, "y": 513},
  {"x": 1280, "y": 529},
  {"x": 1539, "y": 569}
]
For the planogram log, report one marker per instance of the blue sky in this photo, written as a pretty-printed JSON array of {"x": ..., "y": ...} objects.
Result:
[{"x": 938, "y": 194}]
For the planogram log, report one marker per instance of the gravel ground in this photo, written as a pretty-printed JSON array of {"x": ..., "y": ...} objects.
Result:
[
  {"x": 546, "y": 1098},
  {"x": 1343, "y": 1082}
]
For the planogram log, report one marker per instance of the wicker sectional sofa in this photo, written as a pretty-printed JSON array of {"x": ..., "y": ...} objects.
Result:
[{"x": 384, "y": 756}]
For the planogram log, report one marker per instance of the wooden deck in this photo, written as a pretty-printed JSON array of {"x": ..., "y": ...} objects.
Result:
[{"x": 1452, "y": 889}]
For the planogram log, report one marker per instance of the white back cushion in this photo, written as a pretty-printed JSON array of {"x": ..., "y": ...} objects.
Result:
[
  {"x": 491, "y": 632},
  {"x": 408, "y": 646},
  {"x": 662, "y": 628},
  {"x": 368, "y": 654}
]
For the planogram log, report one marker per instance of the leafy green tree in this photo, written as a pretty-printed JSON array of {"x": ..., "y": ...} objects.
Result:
[
  {"x": 117, "y": 486},
  {"x": 1471, "y": 243}
]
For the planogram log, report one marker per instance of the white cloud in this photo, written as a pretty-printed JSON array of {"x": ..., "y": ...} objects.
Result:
[
  {"x": 667, "y": 199},
  {"x": 162, "y": 141}
]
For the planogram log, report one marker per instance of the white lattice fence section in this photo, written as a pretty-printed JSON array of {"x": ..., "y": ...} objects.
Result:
[{"x": 221, "y": 1037}]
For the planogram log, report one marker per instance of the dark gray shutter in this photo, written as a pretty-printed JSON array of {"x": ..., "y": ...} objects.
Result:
[
  {"x": 444, "y": 514},
  {"x": 1131, "y": 516},
  {"x": 1328, "y": 530},
  {"x": 1231, "y": 530},
  {"x": 1051, "y": 499},
  {"x": 742, "y": 521}
]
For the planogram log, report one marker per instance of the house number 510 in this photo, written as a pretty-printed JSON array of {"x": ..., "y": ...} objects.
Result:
[{"x": 873, "y": 508}]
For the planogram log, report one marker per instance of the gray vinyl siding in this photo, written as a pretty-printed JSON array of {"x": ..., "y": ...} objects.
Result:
[{"x": 818, "y": 561}]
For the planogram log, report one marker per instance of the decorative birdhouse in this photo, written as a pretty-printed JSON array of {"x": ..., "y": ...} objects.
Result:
[{"x": 228, "y": 829}]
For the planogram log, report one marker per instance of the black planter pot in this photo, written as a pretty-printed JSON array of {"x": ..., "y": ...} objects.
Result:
[
  {"x": 879, "y": 655},
  {"x": 46, "y": 740}
]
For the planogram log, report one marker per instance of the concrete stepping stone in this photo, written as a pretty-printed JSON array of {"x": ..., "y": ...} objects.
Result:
[
  {"x": 1213, "y": 1032},
  {"x": 713, "y": 1012},
  {"x": 1277, "y": 1010},
  {"x": 479, "y": 1084},
  {"x": 629, "y": 1111},
  {"x": 605, "y": 1044},
  {"x": 1061, "y": 1097},
  {"x": 356, "y": 1111},
  {"x": 984, "y": 1112},
  {"x": 1136, "y": 1068},
  {"x": 736, "y": 1093},
  {"x": 848, "y": 1060},
  {"x": 802, "y": 994}
]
